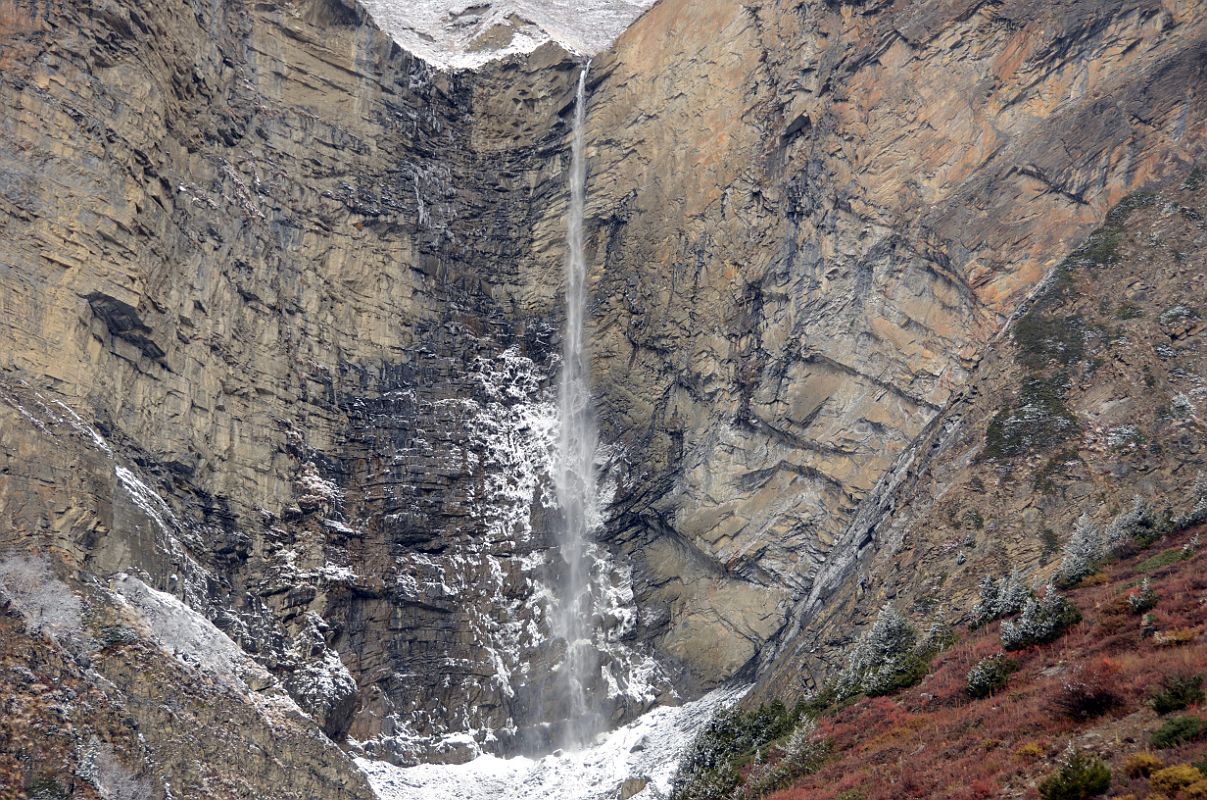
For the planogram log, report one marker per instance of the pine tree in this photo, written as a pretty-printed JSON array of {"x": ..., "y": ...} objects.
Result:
[
  {"x": 1043, "y": 620},
  {"x": 1131, "y": 524},
  {"x": 1198, "y": 496},
  {"x": 1083, "y": 554},
  {"x": 1012, "y": 596},
  {"x": 986, "y": 608},
  {"x": 877, "y": 652}
]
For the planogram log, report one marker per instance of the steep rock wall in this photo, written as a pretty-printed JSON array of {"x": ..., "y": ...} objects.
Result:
[
  {"x": 281, "y": 303},
  {"x": 1093, "y": 399},
  {"x": 811, "y": 221},
  {"x": 267, "y": 342}
]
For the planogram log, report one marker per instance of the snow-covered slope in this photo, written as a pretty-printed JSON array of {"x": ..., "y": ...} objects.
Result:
[{"x": 462, "y": 34}]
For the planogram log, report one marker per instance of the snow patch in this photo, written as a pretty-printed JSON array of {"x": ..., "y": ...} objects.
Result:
[
  {"x": 147, "y": 499},
  {"x": 649, "y": 747},
  {"x": 465, "y": 34},
  {"x": 190, "y": 637},
  {"x": 46, "y": 605}
]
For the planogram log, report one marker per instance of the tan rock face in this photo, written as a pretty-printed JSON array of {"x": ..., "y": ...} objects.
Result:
[
  {"x": 1093, "y": 398},
  {"x": 274, "y": 294},
  {"x": 811, "y": 223}
]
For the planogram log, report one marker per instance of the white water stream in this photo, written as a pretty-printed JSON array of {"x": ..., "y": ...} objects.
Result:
[{"x": 575, "y": 478}]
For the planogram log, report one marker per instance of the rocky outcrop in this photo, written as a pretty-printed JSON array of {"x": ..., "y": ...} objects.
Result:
[
  {"x": 811, "y": 223},
  {"x": 1091, "y": 400},
  {"x": 281, "y": 307}
]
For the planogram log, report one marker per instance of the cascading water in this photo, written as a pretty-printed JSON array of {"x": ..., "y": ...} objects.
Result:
[
  {"x": 575, "y": 478},
  {"x": 598, "y": 667}
]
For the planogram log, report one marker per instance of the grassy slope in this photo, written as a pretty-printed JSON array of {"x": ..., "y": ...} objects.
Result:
[{"x": 933, "y": 741}]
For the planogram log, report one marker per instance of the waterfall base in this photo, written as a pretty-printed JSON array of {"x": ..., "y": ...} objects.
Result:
[{"x": 642, "y": 754}]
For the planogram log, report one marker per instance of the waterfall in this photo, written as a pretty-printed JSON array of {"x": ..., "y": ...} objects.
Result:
[{"x": 575, "y": 467}]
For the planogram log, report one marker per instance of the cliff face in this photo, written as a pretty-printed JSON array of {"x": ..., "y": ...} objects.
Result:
[
  {"x": 267, "y": 340},
  {"x": 813, "y": 220},
  {"x": 1092, "y": 400},
  {"x": 281, "y": 307}
]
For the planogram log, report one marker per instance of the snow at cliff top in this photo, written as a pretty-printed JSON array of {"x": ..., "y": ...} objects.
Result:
[
  {"x": 463, "y": 34},
  {"x": 649, "y": 747}
]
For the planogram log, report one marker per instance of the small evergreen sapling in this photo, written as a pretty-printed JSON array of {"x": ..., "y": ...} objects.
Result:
[
  {"x": 1083, "y": 554},
  {"x": 1080, "y": 776},
  {"x": 1000, "y": 598},
  {"x": 990, "y": 675},
  {"x": 1198, "y": 511},
  {"x": 879, "y": 650},
  {"x": 1145, "y": 599}
]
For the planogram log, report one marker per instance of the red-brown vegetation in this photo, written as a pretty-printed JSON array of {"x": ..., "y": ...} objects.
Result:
[{"x": 1091, "y": 688}]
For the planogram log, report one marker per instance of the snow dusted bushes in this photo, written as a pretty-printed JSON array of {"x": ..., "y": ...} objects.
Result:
[
  {"x": 1143, "y": 599},
  {"x": 1198, "y": 512},
  {"x": 990, "y": 675},
  {"x": 1140, "y": 525},
  {"x": 1089, "y": 548},
  {"x": 1083, "y": 554},
  {"x": 46, "y": 605},
  {"x": 878, "y": 652},
  {"x": 801, "y": 753},
  {"x": 709, "y": 770},
  {"x": 890, "y": 656},
  {"x": 1000, "y": 598},
  {"x": 1043, "y": 620}
]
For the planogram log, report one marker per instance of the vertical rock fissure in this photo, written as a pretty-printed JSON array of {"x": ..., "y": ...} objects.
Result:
[{"x": 576, "y": 480}]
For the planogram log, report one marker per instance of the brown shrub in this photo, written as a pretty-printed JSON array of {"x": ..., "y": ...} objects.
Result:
[
  {"x": 1089, "y": 692},
  {"x": 1141, "y": 765}
]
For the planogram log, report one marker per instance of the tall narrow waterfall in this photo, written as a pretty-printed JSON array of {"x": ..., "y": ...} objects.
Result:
[{"x": 575, "y": 471}]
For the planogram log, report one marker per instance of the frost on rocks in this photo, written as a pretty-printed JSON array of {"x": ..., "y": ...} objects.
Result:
[
  {"x": 464, "y": 34},
  {"x": 649, "y": 748},
  {"x": 46, "y": 605},
  {"x": 321, "y": 683},
  {"x": 497, "y": 572},
  {"x": 100, "y": 767},
  {"x": 133, "y": 499},
  {"x": 316, "y": 493},
  {"x": 189, "y": 636}
]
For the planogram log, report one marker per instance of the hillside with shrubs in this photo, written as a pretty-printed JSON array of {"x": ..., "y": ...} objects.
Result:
[
  {"x": 1080, "y": 442},
  {"x": 1091, "y": 686},
  {"x": 1033, "y": 587}
]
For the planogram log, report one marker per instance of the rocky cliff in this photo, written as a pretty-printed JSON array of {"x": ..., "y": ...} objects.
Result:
[
  {"x": 268, "y": 342},
  {"x": 813, "y": 221},
  {"x": 281, "y": 310}
]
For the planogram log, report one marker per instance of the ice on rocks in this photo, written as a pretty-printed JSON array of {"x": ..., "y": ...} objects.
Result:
[
  {"x": 649, "y": 747},
  {"x": 499, "y": 573}
]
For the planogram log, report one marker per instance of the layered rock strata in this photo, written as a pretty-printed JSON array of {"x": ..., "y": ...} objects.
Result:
[{"x": 280, "y": 305}]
